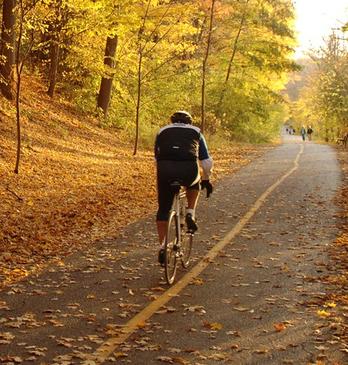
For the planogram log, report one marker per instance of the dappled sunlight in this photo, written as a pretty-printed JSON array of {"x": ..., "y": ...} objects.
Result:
[{"x": 75, "y": 189}]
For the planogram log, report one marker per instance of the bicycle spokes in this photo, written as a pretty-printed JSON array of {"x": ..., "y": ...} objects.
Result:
[{"x": 178, "y": 243}]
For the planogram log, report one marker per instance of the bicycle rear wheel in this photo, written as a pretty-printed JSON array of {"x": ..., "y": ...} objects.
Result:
[
  {"x": 186, "y": 247},
  {"x": 171, "y": 248}
]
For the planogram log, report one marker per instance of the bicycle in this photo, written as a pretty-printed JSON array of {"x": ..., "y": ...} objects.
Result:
[{"x": 178, "y": 241}]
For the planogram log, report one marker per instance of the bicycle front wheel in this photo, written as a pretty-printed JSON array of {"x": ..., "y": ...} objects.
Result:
[
  {"x": 171, "y": 248},
  {"x": 186, "y": 247}
]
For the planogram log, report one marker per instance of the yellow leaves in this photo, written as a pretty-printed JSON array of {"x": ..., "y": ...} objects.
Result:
[
  {"x": 197, "y": 281},
  {"x": 342, "y": 240},
  {"x": 279, "y": 327},
  {"x": 215, "y": 326},
  {"x": 6, "y": 338},
  {"x": 15, "y": 274},
  {"x": 120, "y": 354},
  {"x": 141, "y": 325},
  {"x": 331, "y": 305},
  {"x": 323, "y": 313}
]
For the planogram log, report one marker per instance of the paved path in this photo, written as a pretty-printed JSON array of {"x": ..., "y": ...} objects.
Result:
[{"x": 251, "y": 296}]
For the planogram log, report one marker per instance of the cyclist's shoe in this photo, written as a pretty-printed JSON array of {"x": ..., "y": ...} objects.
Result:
[
  {"x": 161, "y": 256},
  {"x": 191, "y": 223}
]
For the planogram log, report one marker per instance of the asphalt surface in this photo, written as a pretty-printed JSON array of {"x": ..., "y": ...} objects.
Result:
[{"x": 259, "y": 300}]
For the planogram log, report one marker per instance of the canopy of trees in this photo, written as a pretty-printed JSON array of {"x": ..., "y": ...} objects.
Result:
[
  {"x": 165, "y": 55},
  {"x": 321, "y": 92}
]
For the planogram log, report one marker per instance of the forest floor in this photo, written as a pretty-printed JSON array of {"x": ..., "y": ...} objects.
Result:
[
  {"x": 338, "y": 251},
  {"x": 77, "y": 182}
]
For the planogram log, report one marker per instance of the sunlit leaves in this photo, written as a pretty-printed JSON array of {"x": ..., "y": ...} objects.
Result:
[{"x": 323, "y": 100}]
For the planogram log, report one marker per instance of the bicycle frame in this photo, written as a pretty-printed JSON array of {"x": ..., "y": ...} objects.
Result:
[
  {"x": 177, "y": 246},
  {"x": 178, "y": 209}
]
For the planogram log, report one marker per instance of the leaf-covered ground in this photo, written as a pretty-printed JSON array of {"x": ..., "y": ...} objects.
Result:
[
  {"x": 77, "y": 183},
  {"x": 338, "y": 278}
]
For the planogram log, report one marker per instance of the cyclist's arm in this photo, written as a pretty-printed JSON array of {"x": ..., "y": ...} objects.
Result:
[
  {"x": 155, "y": 149},
  {"x": 205, "y": 161}
]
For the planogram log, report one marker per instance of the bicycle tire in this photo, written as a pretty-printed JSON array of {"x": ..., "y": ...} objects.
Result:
[
  {"x": 170, "y": 249},
  {"x": 186, "y": 248}
]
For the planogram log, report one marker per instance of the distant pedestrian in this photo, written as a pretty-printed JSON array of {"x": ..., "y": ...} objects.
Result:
[
  {"x": 303, "y": 133},
  {"x": 309, "y": 133}
]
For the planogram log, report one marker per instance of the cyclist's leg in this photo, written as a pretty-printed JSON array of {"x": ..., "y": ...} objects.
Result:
[
  {"x": 165, "y": 201},
  {"x": 191, "y": 182},
  {"x": 165, "y": 197},
  {"x": 192, "y": 194}
]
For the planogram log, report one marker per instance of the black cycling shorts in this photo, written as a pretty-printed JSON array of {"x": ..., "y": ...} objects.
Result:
[{"x": 186, "y": 172}]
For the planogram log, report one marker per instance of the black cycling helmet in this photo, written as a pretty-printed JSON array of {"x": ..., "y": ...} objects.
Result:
[{"x": 181, "y": 117}]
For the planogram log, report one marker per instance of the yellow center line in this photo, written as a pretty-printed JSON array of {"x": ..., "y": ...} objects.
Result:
[{"x": 108, "y": 347}]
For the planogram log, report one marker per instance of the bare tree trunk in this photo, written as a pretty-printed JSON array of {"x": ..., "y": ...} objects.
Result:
[
  {"x": 140, "y": 62},
  {"x": 7, "y": 48},
  {"x": 19, "y": 67},
  {"x": 54, "y": 52},
  {"x": 54, "y": 49},
  {"x": 106, "y": 82},
  {"x": 137, "y": 116},
  {"x": 234, "y": 50},
  {"x": 204, "y": 67}
]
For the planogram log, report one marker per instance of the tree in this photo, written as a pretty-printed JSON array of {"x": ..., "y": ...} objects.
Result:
[
  {"x": 233, "y": 54},
  {"x": 205, "y": 63},
  {"x": 7, "y": 50},
  {"x": 171, "y": 54},
  {"x": 56, "y": 28},
  {"x": 26, "y": 20},
  {"x": 106, "y": 83},
  {"x": 323, "y": 100},
  {"x": 163, "y": 43}
]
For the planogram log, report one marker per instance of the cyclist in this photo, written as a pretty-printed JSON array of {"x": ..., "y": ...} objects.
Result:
[{"x": 180, "y": 148}]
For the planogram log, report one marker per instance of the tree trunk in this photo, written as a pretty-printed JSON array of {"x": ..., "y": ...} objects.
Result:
[
  {"x": 106, "y": 82},
  {"x": 204, "y": 67},
  {"x": 234, "y": 50},
  {"x": 54, "y": 52},
  {"x": 7, "y": 48},
  {"x": 19, "y": 68},
  {"x": 54, "y": 48},
  {"x": 137, "y": 116},
  {"x": 139, "y": 85}
]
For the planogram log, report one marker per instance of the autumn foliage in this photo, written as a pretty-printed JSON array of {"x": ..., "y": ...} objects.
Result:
[{"x": 78, "y": 182}]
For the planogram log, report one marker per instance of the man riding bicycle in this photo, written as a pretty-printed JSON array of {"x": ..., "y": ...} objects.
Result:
[{"x": 180, "y": 149}]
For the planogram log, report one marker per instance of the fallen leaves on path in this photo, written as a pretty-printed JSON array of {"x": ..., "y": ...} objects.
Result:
[{"x": 78, "y": 183}]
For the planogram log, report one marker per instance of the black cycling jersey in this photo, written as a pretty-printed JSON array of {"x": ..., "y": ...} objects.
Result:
[
  {"x": 178, "y": 148},
  {"x": 180, "y": 142}
]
